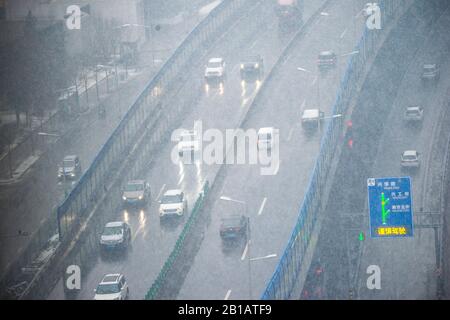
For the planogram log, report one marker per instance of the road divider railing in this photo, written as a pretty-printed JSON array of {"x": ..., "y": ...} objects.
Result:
[
  {"x": 161, "y": 288},
  {"x": 285, "y": 276},
  {"x": 148, "y": 112},
  {"x": 153, "y": 292}
]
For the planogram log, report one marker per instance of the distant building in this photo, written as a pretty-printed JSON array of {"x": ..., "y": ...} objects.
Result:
[{"x": 122, "y": 12}]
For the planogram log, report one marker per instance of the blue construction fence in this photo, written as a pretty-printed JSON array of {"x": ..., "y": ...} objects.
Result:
[{"x": 281, "y": 285}]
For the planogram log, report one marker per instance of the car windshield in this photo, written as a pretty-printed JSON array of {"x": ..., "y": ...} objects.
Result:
[
  {"x": 409, "y": 157},
  {"x": 131, "y": 187},
  {"x": 412, "y": 111},
  {"x": 231, "y": 221},
  {"x": 68, "y": 163},
  {"x": 214, "y": 65},
  {"x": 171, "y": 199},
  {"x": 110, "y": 231},
  {"x": 108, "y": 288},
  {"x": 326, "y": 56}
]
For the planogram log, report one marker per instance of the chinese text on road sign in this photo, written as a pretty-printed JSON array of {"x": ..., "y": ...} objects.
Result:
[{"x": 390, "y": 207}]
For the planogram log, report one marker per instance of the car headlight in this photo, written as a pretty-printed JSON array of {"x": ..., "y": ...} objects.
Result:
[
  {"x": 140, "y": 197},
  {"x": 257, "y": 65},
  {"x": 242, "y": 66},
  {"x": 72, "y": 174},
  {"x": 124, "y": 198}
]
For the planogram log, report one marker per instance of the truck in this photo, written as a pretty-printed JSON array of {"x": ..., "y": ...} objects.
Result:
[{"x": 289, "y": 14}]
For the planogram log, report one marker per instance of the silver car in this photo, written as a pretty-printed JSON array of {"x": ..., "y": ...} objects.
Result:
[{"x": 410, "y": 159}]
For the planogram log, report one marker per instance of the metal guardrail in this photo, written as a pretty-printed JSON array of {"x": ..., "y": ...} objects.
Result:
[
  {"x": 283, "y": 280},
  {"x": 148, "y": 107},
  {"x": 122, "y": 140},
  {"x": 168, "y": 265}
]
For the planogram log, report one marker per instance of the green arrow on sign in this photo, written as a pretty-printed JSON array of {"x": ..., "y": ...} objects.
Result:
[
  {"x": 361, "y": 236},
  {"x": 384, "y": 212}
]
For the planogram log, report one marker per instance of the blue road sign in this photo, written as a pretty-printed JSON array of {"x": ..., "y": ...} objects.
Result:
[{"x": 390, "y": 207}]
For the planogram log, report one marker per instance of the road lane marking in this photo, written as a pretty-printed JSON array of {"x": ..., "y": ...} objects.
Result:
[
  {"x": 290, "y": 134},
  {"x": 278, "y": 168},
  {"x": 181, "y": 179},
  {"x": 314, "y": 81},
  {"x": 228, "y": 294},
  {"x": 262, "y": 206},
  {"x": 141, "y": 226},
  {"x": 160, "y": 192},
  {"x": 343, "y": 33},
  {"x": 303, "y": 104},
  {"x": 244, "y": 254}
]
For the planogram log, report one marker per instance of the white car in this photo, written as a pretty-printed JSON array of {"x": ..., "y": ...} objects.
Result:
[
  {"x": 112, "y": 287},
  {"x": 414, "y": 114},
  {"x": 410, "y": 159},
  {"x": 265, "y": 138},
  {"x": 115, "y": 234},
  {"x": 215, "y": 69},
  {"x": 188, "y": 142},
  {"x": 311, "y": 118},
  {"x": 172, "y": 203}
]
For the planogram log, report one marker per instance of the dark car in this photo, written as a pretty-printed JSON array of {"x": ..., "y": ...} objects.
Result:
[
  {"x": 431, "y": 72},
  {"x": 252, "y": 68},
  {"x": 70, "y": 168},
  {"x": 233, "y": 227},
  {"x": 326, "y": 59}
]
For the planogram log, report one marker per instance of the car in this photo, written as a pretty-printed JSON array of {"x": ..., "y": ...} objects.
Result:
[
  {"x": 311, "y": 118},
  {"x": 215, "y": 70},
  {"x": 115, "y": 234},
  {"x": 136, "y": 192},
  {"x": 252, "y": 68},
  {"x": 326, "y": 59},
  {"x": 431, "y": 72},
  {"x": 173, "y": 203},
  {"x": 233, "y": 226},
  {"x": 410, "y": 159},
  {"x": 414, "y": 114},
  {"x": 70, "y": 168},
  {"x": 368, "y": 9},
  {"x": 112, "y": 287},
  {"x": 188, "y": 142},
  {"x": 265, "y": 138}
]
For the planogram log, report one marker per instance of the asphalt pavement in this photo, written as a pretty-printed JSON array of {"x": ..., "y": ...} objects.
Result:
[
  {"x": 243, "y": 270},
  {"x": 408, "y": 266},
  {"x": 152, "y": 241},
  {"x": 26, "y": 205}
]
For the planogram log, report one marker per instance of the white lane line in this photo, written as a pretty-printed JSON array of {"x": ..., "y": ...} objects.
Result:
[
  {"x": 244, "y": 254},
  {"x": 181, "y": 179},
  {"x": 290, "y": 134},
  {"x": 227, "y": 295},
  {"x": 254, "y": 43},
  {"x": 262, "y": 206},
  {"x": 160, "y": 192},
  {"x": 343, "y": 33},
  {"x": 314, "y": 81},
  {"x": 278, "y": 168},
  {"x": 303, "y": 104},
  {"x": 142, "y": 225}
]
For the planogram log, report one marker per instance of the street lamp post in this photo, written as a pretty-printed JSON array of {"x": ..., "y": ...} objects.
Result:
[{"x": 249, "y": 259}]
